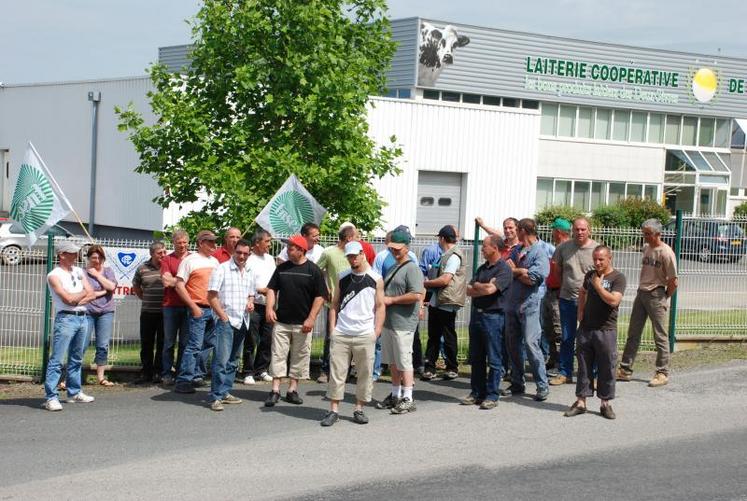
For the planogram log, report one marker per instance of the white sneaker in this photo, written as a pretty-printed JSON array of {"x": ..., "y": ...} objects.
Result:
[
  {"x": 265, "y": 377},
  {"x": 52, "y": 405},
  {"x": 249, "y": 380},
  {"x": 80, "y": 398}
]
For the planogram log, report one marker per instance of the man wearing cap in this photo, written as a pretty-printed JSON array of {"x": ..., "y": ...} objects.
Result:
[
  {"x": 225, "y": 251},
  {"x": 175, "y": 313},
  {"x": 356, "y": 317},
  {"x": 450, "y": 286},
  {"x": 297, "y": 287},
  {"x": 70, "y": 292},
  {"x": 310, "y": 232},
  {"x": 561, "y": 229},
  {"x": 192, "y": 286},
  {"x": 403, "y": 289},
  {"x": 333, "y": 262}
]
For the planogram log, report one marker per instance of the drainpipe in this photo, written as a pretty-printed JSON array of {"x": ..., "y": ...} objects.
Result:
[{"x": 95, "y": 98}]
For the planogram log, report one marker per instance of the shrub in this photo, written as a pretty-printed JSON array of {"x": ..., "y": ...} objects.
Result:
[
  {"x": 547, "y": 215},
  {"x": 610, "y": 216},
  {"x": 740, "y": 211},
  {"x": 630, "y": 213}
]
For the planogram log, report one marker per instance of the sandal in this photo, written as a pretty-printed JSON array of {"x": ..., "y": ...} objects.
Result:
[{"x": 105, "y": 382}]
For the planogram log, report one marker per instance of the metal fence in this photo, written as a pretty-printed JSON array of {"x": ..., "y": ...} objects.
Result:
[{"x": 712, "y": 296}]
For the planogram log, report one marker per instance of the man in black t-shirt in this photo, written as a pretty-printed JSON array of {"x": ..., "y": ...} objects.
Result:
[
  {"x": 298, "y": 288},
  {"x": 596, "y": 341}
]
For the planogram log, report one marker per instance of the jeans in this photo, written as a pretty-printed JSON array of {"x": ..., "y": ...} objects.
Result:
[
  {"x": 201, "y": 342},
  {"x": 151, "y": 336},
  {"x": 103, "y": 325},
  {"x": 523, "y": 331},
  {"x": 568, "y": 322},
  {"x": 485, "y": 350},
  {"x": 175, "y": 326},
  {"x": 441, "y": 323},
  {"x": 70, "y": 332},
  {"x": 228, "y": 344},
  {"x": 261, "y": 332}
]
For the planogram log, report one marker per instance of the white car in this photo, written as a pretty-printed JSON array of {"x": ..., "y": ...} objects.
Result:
[{"x": 14, "y": 248}]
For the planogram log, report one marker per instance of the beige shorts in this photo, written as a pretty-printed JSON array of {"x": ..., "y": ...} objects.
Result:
[
  {"x": 396, "y": 348},
  {"x": 289, "y": 338},
  {"x": 344, "y": 349}
]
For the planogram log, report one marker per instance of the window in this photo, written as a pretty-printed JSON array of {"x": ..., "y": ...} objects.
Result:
[
  {"x": 635, "y": 191},
  {"x": 597, "y": 194},
  {"x": 734, "y": 192},
  {"x": 638, "y": 126},
  {"x": 585, "y": 122},
  {"x": 491, "y": 100},
  {"x": 549, "y": 119},
  {"x": 602, "y": 124},
  {"x": 544, "y": 193},
  {"x": 530, "y": 104},
  {"x": 444, "y": 202},
  {"x": 698, "y": 160},
  {"x": 426, "y": 201},
  {"x": 431, "y": 94},
  {"x": 621, "y": 123},
  {"x": 689, "y": 130},
  {"x": 723, "y": 128},
  {"x": 405, "y": 93},
  {"x": 510, "y": 102},
  {"x": 567, "y": 121},
  {"x": 450, "y": 96},
  {"x": 581, "y": 195},
  {"x": 562, "y": 193},
  {"x": 471, "y": 98},
  {"x": 737, "y": 136},
  {"x": 651, "y": 192},
  {"x": 391, "y": 93},
  {"x": 616, "y": 192},
  {"x": 655, "y": 128},
  {"x": 715, "y": 161},
  {"x": 707, "y": 130},
  {"x": 672, "y": 135}
]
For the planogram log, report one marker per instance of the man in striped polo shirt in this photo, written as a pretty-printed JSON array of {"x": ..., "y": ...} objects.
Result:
[{"x": 148, "y": 286}]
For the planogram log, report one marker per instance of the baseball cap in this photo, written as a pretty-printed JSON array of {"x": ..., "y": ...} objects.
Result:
[
  {"x": 399, "y": 239},
  {"x": 206, "y": 235},
  {"x": 67, "y": 246},
  {"x": 353, "y": 248},
  {"x": 299, "y": 241},
  {"x": 561, "y": 224},
  {"x": 404, "y": 228},
  {"x": 447, "y": 232},
  {"x": 346, "y": 224}
]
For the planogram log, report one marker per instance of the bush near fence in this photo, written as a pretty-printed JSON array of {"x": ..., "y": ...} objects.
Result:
[{"x": 711, "y": 302}]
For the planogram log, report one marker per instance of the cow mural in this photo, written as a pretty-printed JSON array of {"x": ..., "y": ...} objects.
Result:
[{"x": 437, "y": 47}]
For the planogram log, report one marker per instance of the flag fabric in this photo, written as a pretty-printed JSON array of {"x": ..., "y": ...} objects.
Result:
[
  {"x": 38, "y": 202},
  {"x": 291, "y": 207}
]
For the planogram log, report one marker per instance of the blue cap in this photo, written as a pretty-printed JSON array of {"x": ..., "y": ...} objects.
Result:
[{"x": 353, "y": 248}]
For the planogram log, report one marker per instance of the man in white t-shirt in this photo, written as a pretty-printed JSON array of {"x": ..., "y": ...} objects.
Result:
[
  {"x": 310, "y": 232},
  {"x": 70, "y": 292},
  {"x": 261, "y": 266}
]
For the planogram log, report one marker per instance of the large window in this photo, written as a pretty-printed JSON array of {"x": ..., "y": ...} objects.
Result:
[
  {"x": 655, "y": 128},
  {"x": 638, "y": 126},
  {"x": 603, "y": 124},
  {"x": 586, "y": 122},
  {"x": 689, "y": 130},
  {"x": 549, "y": 119},
  {"x": 620, "y": 127},
  {"x": 672, "y": 135},
  {"x": 567, "y": 121},
  {"x": 587, "y": 195}
]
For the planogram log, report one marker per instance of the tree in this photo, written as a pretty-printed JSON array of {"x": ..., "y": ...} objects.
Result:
[{"x": 275, "y": 87}]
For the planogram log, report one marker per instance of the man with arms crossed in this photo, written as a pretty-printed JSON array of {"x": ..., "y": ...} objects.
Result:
[
  {"x": 148, "y": 286},
  {"x": 261, "y": 266},
  {"x": 175, "y": 313}
]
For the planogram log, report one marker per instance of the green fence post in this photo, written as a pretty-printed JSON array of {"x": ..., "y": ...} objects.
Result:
[
  {"x": 475, "y": 249},
  {"x": 673, "y": 302},
  {"x": 47, "y": 307}
]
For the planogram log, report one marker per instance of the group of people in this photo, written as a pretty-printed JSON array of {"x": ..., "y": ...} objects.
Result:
[{"x": 240, "y": 303}]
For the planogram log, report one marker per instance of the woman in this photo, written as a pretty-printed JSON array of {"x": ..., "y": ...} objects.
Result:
[{"x": 101, "y": 309}]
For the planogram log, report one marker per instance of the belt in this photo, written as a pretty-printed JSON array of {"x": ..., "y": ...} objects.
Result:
[
  {"x": 483, "y": 310},
  {"x": 203, "y": 305},
  {"x": 76, "y": 313}
]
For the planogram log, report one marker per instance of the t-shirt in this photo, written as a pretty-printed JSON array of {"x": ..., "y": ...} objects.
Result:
[
  {"x": 148, "y": 278},
  {"x": 297, "y": 286},
  {"x": 222, "y": 254},
  {"x": 385, "y": 261},
  {"x": 503, "y": 276},
  {"x": 658, "y": 266},
  {"x": 598, "y": 315},
  {"x": 170, "y": 264},
  {"x": 574, "y": 262},
  {"x": 334, "y": 262},
  {"x": 357, "y": 302},
  {"x": 312, "y": 254},
  {"x": 261, "y": 267},
  {"x": 408, "y": 279},
  {"x": 105, "y": 303},
  {"x": 195, "y": 270},
  {"x": 72, "y": 283}
]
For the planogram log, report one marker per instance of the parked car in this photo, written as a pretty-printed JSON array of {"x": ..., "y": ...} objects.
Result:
[
  {"x": 709, "y": 240},
  {"x": 14, "y": 248}
]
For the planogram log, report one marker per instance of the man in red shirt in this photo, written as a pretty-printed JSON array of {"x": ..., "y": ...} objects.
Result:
[
  {"x": 561, "y": 230},
  {"x": 225, "y": 251},
  {"x": 175, "y": 313}
]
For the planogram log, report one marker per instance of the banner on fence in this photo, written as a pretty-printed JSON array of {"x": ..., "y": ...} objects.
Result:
[
  {"x": 289, "y": 209},
  {"x": 125, "y": 262}
]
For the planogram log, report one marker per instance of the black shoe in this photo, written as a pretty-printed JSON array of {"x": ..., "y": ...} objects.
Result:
[
  {"x": 156, "y": 379},
  {"x": 574, "y": 410},
  {"x": 272, "y": 399},
  {"x": 512, "y": 391},
  {"x": 329, "y": 419},
  {"x": 184, "y": 388},
  {"x": 607, "y": 412},
  {"x": 292, "y": 398},
  {"x": 198, "y": 382},
  {"x": 359, "y": 417},
  {"x": 542, "y": 395},
  {"x": 388, "y": 403}
]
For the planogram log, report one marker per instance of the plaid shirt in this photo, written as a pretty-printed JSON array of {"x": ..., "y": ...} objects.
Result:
[{"x": 233, "y": 288}]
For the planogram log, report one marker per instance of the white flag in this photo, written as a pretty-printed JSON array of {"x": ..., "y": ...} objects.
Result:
[
  {"x": 38, "y": 202},
  {"x": 289, "y": 209}
]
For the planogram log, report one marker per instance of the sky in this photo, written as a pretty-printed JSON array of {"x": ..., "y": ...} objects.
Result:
[{"x": 62, "y": 40}]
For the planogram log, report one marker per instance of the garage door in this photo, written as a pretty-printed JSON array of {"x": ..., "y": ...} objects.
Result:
[{"x": 439, "y": 201}]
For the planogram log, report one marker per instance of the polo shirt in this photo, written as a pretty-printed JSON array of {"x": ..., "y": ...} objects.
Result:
[
  {"x": 170, "y": 264},
  {"x": 503, "y": 276},
  {"x": 195, "y": 270},
  {"x": 148, "y": 278}
]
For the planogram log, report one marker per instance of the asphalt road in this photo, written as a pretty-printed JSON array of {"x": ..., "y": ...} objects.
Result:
[{"x": 682, "y": 441}]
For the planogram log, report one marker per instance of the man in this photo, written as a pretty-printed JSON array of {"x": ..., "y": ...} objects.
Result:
[
  {"x": 261, "y": 265},
  {"x": 297, "y": 287},
  {"x": 70, "y": 292},
  {"x": 510, "y": 239},
  {"x": 310, "y": 232},
  {"x": 530, "y": 268},
  {"x": 356, "y": 318},
  {"x": 561, "y": 229},
  {"x": 192, "y": 286},
  {"x": 658, "y": 281},
  {"x": 175, "y": 313},
  {"x": 148, "y": 286},
  {"x": 573, "y": 260},
  {"x": 403, "y": 288},
  {"x": 596, "y": 344},
  {"x": 225, "y": 251},
  {"x": 450, "y": 286},
  {"x": 487, "y": 290},
  {"x": 332, "y": 263},
  {"x": 231, "y": 296}
]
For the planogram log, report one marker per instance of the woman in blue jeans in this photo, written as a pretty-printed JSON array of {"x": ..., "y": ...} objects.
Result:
[{"x": 101, "y": 309}]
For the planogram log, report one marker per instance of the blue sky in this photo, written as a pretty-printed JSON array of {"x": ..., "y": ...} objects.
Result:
[{"x": 56, "y": 40}]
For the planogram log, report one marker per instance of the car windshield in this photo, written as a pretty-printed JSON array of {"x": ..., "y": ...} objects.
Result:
[{"x": 730, "y": 230}]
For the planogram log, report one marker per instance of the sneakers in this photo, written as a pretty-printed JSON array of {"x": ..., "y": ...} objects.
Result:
[
  {"x": 329, "y": 419},
  {"x": 217, "y": 406},
  {"x": 265, "y": 377},
  {"x": 470, "y": 400},
  {"x": 427, "y": 376},
  {"x": 488, "y": 404},
  {"x": 448, "y": 376},
  {"x": 292, "y": 398},
  {"x": 323, "y": 378},
  {"x": 230, "y": 399},
  {"x": 390, "y": 402},
  {"x": 542, "y": 395},
  {"x": 607, "y": 412},
  {"x": 249, "y": 380},
  {"x": 52, "y": 405},
  {"x": 560, "y": 379},
  {"x": 659, "y": 379},
  {"x": 574, "y": 410},
  {"x": 623, "y": 375},
  {"x": 80, "y": 398},
  {"x": 359, "y": 417},
  {"x": 404, "y": 406},
  {"x": 272, "y": 399},
  {"x": 184, "y": 388}
]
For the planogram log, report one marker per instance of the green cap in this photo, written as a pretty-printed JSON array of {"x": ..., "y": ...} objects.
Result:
[
  {"x": 399, "y": 239},
  {"x": 561, "y": 224}
]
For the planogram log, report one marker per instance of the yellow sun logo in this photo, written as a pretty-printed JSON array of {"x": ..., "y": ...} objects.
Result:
[{"x": 705, "y": 85}]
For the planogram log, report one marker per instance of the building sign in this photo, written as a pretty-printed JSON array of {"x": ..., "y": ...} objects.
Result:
[{"x": 125, "y": 262}]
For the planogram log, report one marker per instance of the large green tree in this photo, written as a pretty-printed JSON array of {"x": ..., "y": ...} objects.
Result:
[{"x": 275, "y": 87}]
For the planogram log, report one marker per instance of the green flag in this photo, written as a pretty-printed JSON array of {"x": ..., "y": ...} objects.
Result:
[{"x": 289, "y": 209}]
